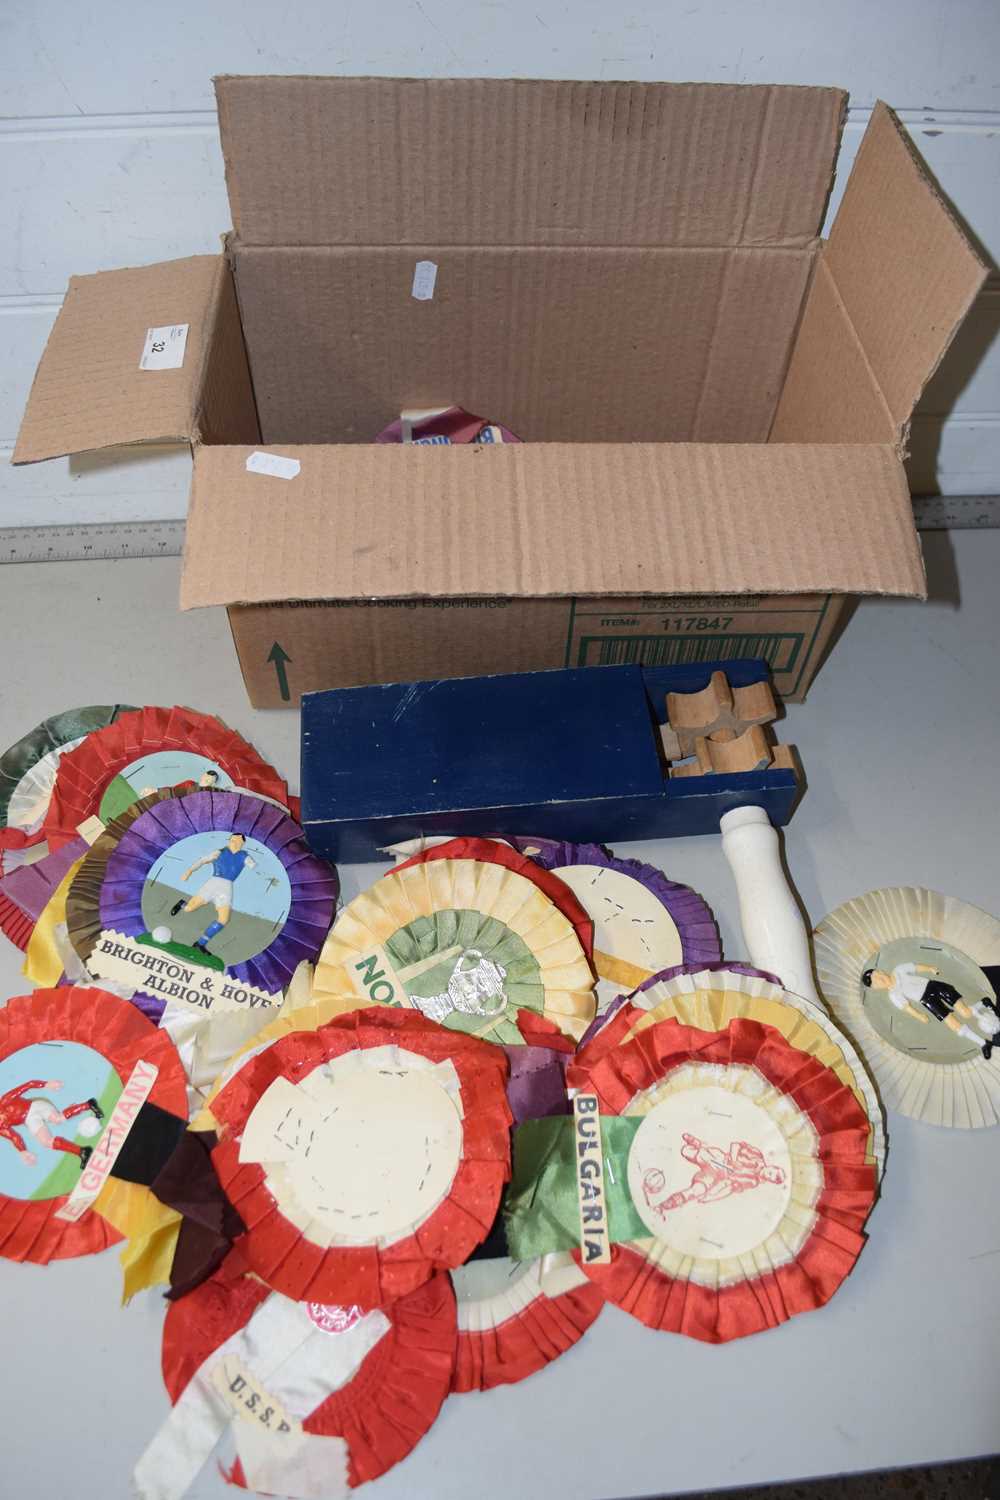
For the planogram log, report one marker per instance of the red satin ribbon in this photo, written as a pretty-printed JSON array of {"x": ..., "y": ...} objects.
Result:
[
  {"x": 15, "y": 923},
  {"x": 16, "y": 838}
]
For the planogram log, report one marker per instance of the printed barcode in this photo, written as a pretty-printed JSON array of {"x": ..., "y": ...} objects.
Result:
[{"x": 780, "y": 651}]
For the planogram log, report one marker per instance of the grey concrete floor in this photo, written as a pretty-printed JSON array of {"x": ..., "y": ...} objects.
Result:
[{"x": 975, "y": 1480}]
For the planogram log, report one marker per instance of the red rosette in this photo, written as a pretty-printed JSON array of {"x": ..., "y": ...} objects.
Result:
[
  {"x": 382, "y": 1412},
  {"x": 112, "y": 1027},
  {"x": 716, "y": 1314},
  {"x": 15, "y": 923},
  {"x": 489, "y": 851},
  {"x": 370, "y": 1276},
  {"x": 84, "y": 773},
  {"x": 21, "y": 761},
  {"x": 521, "y": 1345}
]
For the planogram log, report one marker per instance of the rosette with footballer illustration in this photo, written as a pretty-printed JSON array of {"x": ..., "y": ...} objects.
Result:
[
  {"x": 745, "y": 1174},
  {"x": 76, "y": 1068},
  {"x": 915, "y": 977},
  {"x": 147, "y": 750}
]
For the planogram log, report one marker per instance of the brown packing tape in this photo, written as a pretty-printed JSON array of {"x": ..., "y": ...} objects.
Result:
[
  {"x": 390, "y": 161},
  {"x": 562, "y": 345},
  {"x": 388, "y": 522},
  {"x": 89, "y": 391}
]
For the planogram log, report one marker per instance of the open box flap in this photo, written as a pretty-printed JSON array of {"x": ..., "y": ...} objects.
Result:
[
  {"x": 893, "y": 284},
  {"x": 90, "y": 391},
  {"x": 380, "y": 521},
  {"x": 459, "y": 161}
]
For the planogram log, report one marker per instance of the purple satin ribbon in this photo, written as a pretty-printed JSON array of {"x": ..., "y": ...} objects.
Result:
[
  {"x": 31, "y": 887},
  {"x": 536, "y": 1085}
]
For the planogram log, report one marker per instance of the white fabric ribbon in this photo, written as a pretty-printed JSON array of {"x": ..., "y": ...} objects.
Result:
[
  {"x": 207, "y": 1045},
  {"x": 298, "y": 1363},
  {"x": 407, "y": 848}
]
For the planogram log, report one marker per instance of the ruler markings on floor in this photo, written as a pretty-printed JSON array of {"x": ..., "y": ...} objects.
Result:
[
  {"x": 956, "y": 512},
  {"x": 84, "y": 542}
]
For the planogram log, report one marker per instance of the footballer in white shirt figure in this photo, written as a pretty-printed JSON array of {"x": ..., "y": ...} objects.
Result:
[{"x": 920, "y": 992}]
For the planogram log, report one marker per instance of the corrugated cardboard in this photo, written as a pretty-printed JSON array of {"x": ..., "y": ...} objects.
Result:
[
  {"x": 900, "y": 277},
  {"x": 530, "y": 520},
  {"x": 89, "y": 390},
  {"x": 288, "y": 649},
  {"x": 715, "y": 406},
  {"x": 600, "y": 345},
  {"x": 830, "y": 394},
  {"x": 460, "y": 161}
]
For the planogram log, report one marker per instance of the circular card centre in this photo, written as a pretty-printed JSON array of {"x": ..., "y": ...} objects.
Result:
[
  {"x": 55, "y": 1099},
  {"x": 710, "y": 1173},
  {"x": 183, "y": 770},
  {"x": 381, "y": 1152},
  {"x": 217, "y": 898},
  {"x": 630, "y": 923},
  {"x": 930, "y": 1001}
]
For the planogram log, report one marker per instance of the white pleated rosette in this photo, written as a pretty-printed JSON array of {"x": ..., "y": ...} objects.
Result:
[
  {"x": 516, "y": 1317},
  {"x": 963, "y": 1093}
]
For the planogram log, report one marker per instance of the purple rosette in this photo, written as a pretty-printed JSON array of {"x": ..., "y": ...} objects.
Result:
[
  {"x": 313, "y": 883},
  {"x": 691, "y": 913},
  {"x": 714, "y": 968}
]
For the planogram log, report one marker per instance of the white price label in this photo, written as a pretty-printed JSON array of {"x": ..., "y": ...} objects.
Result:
[
  {"x": 424, "y": 277},
  {"x": 164, "y": 347},
  {"x": 274, "y": 464}
]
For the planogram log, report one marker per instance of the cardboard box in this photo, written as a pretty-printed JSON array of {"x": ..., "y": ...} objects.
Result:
[{"x": 714, "y": 403}]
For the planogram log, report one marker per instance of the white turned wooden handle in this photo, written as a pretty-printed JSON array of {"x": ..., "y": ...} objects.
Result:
[{"x": 773, "y": 930}]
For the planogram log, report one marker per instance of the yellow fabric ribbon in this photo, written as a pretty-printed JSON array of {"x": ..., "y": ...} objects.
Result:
[
  {"x": 43, "y": 963},
  {"x": 150, "y": 1230}
]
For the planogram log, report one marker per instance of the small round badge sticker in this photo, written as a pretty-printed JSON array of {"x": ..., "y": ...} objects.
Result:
[{"x": 333, "y": 1319}]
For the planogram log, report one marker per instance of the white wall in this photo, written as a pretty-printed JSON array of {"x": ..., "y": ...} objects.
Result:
[{"x": 109, "y": 153}]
